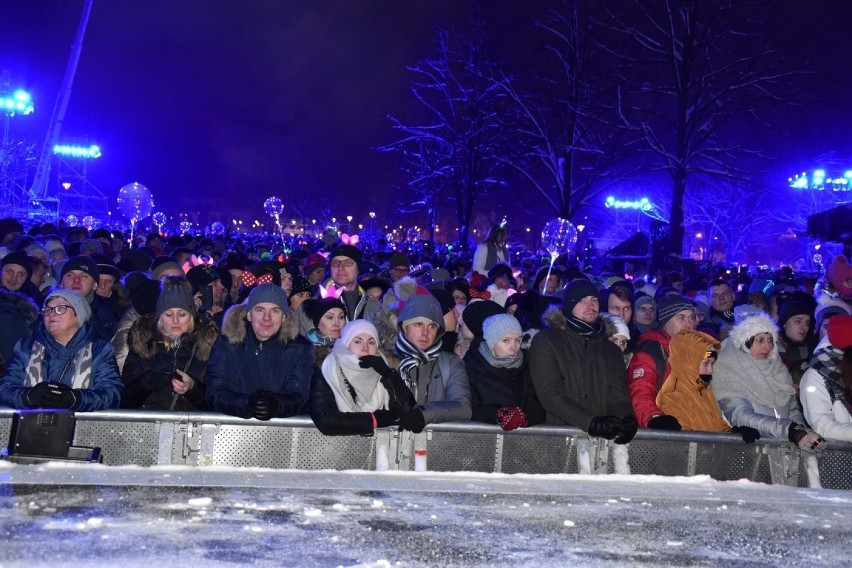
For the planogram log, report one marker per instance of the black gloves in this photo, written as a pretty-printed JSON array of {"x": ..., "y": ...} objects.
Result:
[
  {"x": 749, "y": 435},
  {"x": 385, "y": 418},
  {"x": 664, "y": 422},
  {"x": 51, "y": 395},
  {"x": 605, "y": 427},
  {"x": 413, "y": 421},
  {"x": 807, "y": 440},
  {"x": 262, "y": 405},
  {"x": 376, "y": 363},
  {"x": 627, "y": 431}
]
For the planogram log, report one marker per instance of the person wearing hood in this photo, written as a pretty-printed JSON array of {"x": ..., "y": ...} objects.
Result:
[
  {"x": 754, "y": 388},
  {"x": 62, "y": 365},
  {"x": 168, "y": 351},
  {"x": 436, "y": 378},
  {"x": 578, "y": 373},
  {"x": 499, "y": 375},
  {"x": 826, "y": 388},
  {"x": 18, "y": 318},
  {"x": 357, "y": 391},
  {"x": 258, "y": 367},
  {"x": 687, "y": 393}
]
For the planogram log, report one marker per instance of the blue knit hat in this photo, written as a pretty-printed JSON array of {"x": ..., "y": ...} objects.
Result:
[
  {"x": 268, "y": 293},
  {"x": 497, "y": 327}
]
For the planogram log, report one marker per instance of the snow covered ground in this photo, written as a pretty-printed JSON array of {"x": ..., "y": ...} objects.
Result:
[{"x": 62, "y": 514}]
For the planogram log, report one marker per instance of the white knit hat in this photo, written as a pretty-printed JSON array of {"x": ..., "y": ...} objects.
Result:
[{"x": 355, "y": 328}]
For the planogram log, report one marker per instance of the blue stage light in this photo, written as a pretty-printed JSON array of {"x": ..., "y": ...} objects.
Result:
[
  {"x": 19, "y": 102},
  {"x": 71, "y": 151}
]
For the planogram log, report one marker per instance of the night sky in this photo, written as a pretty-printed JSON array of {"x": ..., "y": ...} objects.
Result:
[{"x": 216, "y": 105}]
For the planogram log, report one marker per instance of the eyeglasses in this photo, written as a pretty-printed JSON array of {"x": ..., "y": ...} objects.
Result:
[
  {"x": 58, "y": 310},
  {"x": 345, "y": 263},
  {"x": 402, "y": 270}
]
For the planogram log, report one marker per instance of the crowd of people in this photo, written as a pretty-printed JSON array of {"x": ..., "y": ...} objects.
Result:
[{"x": 369, "y": 337}]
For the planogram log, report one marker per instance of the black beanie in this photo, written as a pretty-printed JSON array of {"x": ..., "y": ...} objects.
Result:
[
  {"x": 475, "y": 314},
  {"x": 21, "y": 258},
  {"x": 792, "y": 308},
  {"x": 350, "y": 251},
  {"x": 317, "y": 308},
  {"x": 574, "y": 292}
]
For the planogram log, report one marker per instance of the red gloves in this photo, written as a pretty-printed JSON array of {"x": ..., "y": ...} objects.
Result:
[{"x": 511, "y": 417}]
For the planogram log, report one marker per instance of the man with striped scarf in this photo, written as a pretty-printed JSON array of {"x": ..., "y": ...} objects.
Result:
[{"x": 437, "y": 378}]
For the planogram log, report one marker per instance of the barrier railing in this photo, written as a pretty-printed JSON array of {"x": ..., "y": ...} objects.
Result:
[{"x": 203, "y": 439}]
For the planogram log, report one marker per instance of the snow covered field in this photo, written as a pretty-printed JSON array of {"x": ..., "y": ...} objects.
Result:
[{"x": 63, "y": 514}]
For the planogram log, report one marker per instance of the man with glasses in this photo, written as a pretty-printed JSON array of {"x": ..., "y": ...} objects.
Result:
[
  {"x": 344, "y": 263},
  {"x": 399, "y": 266},
  {"x": 649, "y": 366},
  {"x": 62, "y": 365}
]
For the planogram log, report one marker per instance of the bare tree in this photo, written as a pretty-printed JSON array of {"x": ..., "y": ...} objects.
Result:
[
  {"x": 564, "y": 136},
  {"x": 695, "y": 69},
  {"x": 454, "y": 149}
]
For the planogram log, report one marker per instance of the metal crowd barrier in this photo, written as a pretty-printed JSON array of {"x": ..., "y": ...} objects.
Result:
[{"x": 210, "y": 439}]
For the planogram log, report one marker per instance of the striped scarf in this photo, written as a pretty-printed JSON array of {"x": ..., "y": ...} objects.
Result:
[
  {"x": 589, "y": 331},
  {"x": 826, "y": 361},
  {"x": 412, "y": 357}
]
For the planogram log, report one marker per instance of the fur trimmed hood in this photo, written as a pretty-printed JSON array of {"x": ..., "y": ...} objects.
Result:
[
  {"x": 553, "y": 317},
  {"x": 143, "y": 335},
  {"x": 23, "y": 304},
  {"x": 234, "y": 325},
  {"x": 751, "y": 326}
]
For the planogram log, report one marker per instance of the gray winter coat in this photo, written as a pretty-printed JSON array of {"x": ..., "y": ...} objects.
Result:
[{"x": 444, "y": 395}]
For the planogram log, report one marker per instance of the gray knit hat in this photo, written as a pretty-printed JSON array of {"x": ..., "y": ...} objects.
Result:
[
  {"x": 268, "y": 293},
  {"x": 76, "y": 301},
  {"x": 422, "y": 306},
  {"x": 175, "y": 293},
  {"x": 497, "y": 327},
  {"x": 642, "y": 300},
  {"x": 670, "y": 306}
]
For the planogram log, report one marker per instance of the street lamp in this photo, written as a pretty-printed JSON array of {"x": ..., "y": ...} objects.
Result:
[
  {"x": 349, "y": 226},
  {"x": 372, "y": 217}
]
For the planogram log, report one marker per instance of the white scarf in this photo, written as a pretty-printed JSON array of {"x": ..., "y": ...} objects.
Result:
[
  {"x": 341, "y": 367},
  {"x": 737, "y": 374}
]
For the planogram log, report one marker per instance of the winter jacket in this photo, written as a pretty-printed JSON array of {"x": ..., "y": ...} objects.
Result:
[
  {"x": 684, "y": 394},
  {"x": 150, "y": 365},
  {"x": 494, "y": 387},
  {"x": 119, "y": 339},
  {"x": 103, "y": 319},
  {"x": 643, "y": 376},
  {"x": 105, "y": 389},
  {"x": 831, "y": 420},
  {"x": 575, "y": 378},
  {"x": 240, "y": 365},
  {"x": 18, "y": 318},
  {"x": 331, "y": 421},
  {"x": 443, "y": 389}
]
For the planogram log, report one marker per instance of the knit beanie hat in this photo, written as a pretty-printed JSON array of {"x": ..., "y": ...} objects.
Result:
[
  {"x": 268, "y": 293},
  {"x": 670, "y": 306},
  {"x": 642, "y": 300},
  {"x": 399, "y": 259},
  {"x": 839, "y": 272},
  {"x": 840, "y": 331},
  {"x": 317, "y": 308},
  {"x": 762, "y": 285},
  {"x": 75, "y": 300},
  {"x": 475, "y": 314},
  {"x": 499, "y": 326},
  {"x": 175, "y": 293},
  {"x": 421, "y": 307},
  {"x": 617, "y": 324},
  {"x": 314, "y": 262},
  {"x": 92, "y": 246},
  {"x": 161, "y": 264},
  {"x": 752, "y": 326},
  {"x": 82, "y": 263},
  {"x": 20, "y": 258},
  {"x": 301, "y": 284},
  {"x": 574, "y": 292},
  {"x": 357, "y": 327},
  {"x": 827, "y": 312},
  {"x": 350, "y": 251},
  {"x": 9, "y": 225},
  {"x": 792, "y": 308},
  {"x": 201, "y": 276},
  {"x": 106, "y": 266}
]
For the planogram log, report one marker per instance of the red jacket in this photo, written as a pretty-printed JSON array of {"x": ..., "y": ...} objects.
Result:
[{"x": 643, "y": 380}]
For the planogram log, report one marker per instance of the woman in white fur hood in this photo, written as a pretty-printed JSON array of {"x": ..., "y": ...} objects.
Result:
[{"x": 754, "y": 388}]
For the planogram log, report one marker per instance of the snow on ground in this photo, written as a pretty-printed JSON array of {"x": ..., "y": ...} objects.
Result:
[{"x": 62, "y": 514}]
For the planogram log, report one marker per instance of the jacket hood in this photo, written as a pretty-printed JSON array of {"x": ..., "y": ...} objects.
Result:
[
  {"x": 20, "y": 303},
  {"x": 553, "y": 317},
  {"x": 143, "y": 333},
  {"x": 686, "y": 351},
  {"x": 234, "y": 325}
]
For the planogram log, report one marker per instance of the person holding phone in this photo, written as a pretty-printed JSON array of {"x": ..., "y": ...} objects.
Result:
[{"x": 167, "y": 363}]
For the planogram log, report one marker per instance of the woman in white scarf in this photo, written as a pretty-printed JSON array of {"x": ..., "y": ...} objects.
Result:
[
  {"x": 357, "y": 391},
  {"x": 754, "y": 387}
]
